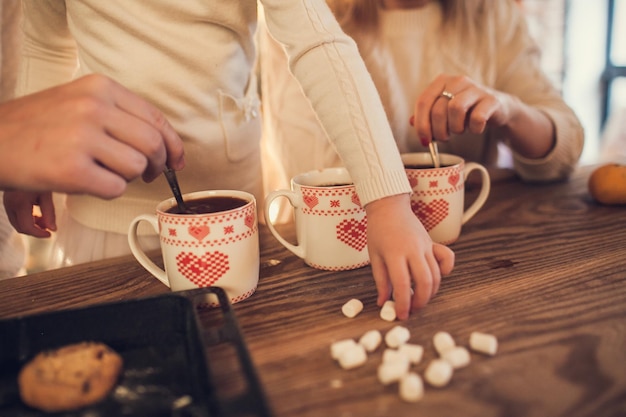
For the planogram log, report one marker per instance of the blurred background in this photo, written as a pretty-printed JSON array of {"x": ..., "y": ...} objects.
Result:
[{"x": 584, "y": 52}]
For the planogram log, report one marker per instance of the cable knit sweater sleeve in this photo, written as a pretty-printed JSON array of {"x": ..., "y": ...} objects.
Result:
[{"x": 332, "y": 74}]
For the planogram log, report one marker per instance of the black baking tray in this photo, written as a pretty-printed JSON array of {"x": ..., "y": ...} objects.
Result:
[{"x": 167, "y": 367}]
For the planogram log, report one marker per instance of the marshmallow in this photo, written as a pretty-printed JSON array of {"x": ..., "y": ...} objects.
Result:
[
  {"x": 394, "y": 355},
  {"x": 458, "y": 357},
  {"x": 438, "y": 373},
  {"x": 371, "y": 340},
  {"x": 352, "y": 357},
  {"x": 483, "y": 343},
  {"x": 388, "y": 311},
  {"x": 411, "y": 387},
  {"x": 339, "y": 346},
  {"x": 412, "y": 351},
  {"x": 352, "y": 308},
  {"x": 392, "y": 371},
  {"x": 443, "y": 341},
  {"x": 397, "y": 336}
]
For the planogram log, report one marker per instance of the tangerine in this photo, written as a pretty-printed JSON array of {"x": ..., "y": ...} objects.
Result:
[{"x": 607, "y": 184}]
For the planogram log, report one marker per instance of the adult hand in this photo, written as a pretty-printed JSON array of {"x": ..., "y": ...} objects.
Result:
[
  {"x": 89, "y": 136},
  {"x": 405, "y": 262},
  {"x": 453, "y": 104},
  {"x": 456, "y": 103}
]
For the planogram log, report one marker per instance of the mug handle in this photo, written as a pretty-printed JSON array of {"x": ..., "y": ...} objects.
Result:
[
  {"x": 484, "y": 191},
  {"x": 139, "y": 254},
  {"x": 296, "y": 201}
]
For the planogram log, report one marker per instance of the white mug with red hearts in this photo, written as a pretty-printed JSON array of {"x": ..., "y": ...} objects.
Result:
[
  {"x": 331, "y": 227},
  {"x": 438, "y": 193},
  {"x": 218, "y": 246}
]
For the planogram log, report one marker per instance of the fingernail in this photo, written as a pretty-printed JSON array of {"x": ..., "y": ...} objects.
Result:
[
  {"x": 425, "y": 141},
  {"x": 180, "y": 164},
  {"x": 412, "y": 120}
]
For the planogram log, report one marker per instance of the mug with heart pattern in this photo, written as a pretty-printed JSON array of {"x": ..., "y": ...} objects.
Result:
[
  {"x": 439, "y": 193},
  {"x": 215, "y": 248},
  {"x": 331, "y": 227}
]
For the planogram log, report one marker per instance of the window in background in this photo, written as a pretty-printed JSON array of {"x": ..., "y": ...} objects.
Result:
[
  {"x": 615, "y": 70},
  {"x": 585, "y": 50},
  {"x": 572, "y": 36}
]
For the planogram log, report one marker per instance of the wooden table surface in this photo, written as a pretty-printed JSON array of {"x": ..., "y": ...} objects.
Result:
[{"x": 542, "y": 267}]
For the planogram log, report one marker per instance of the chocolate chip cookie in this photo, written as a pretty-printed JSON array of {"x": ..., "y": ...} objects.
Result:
[{"x": 69, "y": 377}]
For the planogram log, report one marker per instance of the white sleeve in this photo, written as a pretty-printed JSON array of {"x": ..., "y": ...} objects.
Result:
[{"x": 327, "y": 64}]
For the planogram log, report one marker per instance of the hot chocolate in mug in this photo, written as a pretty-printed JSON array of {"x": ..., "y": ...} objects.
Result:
[
  {"x": 438, "y": 196},
  {"x": 218, "y": 245}
]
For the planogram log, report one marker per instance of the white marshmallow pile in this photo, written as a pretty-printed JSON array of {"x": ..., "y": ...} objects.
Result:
[{"x": 400, "y": 355}]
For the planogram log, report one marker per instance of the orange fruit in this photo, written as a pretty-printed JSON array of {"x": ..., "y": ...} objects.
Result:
[{"x": 607, "y": 184}]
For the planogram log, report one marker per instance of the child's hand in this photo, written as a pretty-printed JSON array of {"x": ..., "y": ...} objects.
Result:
[{"x": 403, "y": 255}]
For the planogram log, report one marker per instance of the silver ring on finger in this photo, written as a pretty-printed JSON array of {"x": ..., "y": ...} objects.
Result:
[{"x": 447, "y": 94}]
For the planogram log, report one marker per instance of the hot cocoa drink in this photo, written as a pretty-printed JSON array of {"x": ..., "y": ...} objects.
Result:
[
  {"x": 213, "y": 204},
  {"x": 338, "y": 184},
  {"x": 423, "y": 166}
]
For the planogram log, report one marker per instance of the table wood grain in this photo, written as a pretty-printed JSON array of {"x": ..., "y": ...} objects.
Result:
[{"x": 542, "y": 267}]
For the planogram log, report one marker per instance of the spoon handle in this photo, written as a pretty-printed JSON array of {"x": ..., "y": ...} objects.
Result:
[
  {"x": 434, "y": 153},
  {"x": 170, "y": 174}
]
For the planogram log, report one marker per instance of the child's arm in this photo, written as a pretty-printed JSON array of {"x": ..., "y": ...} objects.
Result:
[{"x": 331, "y": 72}]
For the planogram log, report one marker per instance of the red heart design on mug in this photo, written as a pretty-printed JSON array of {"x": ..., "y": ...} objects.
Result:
[
  {"x": 353, "y": 233},
  {"x": 310, "y": 200},
  {"x": 454, "y": 178},
  {"x": 249, "y": 220},
  {"x": 198, "y": 232},
  {"x": 203, "y": 270},
  {"x": 430, "y": 214},
  {"x": 413, "y": 182}
]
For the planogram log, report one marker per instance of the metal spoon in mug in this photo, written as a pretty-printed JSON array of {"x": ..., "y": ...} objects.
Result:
[
  {"x": 170, "y": 174},
  {"x": 432, "y": 146},
  {"x": 434, "y": 153}
]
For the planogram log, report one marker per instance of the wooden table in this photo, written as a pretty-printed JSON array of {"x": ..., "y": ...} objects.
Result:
[{"x": 542, "y": 267}]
